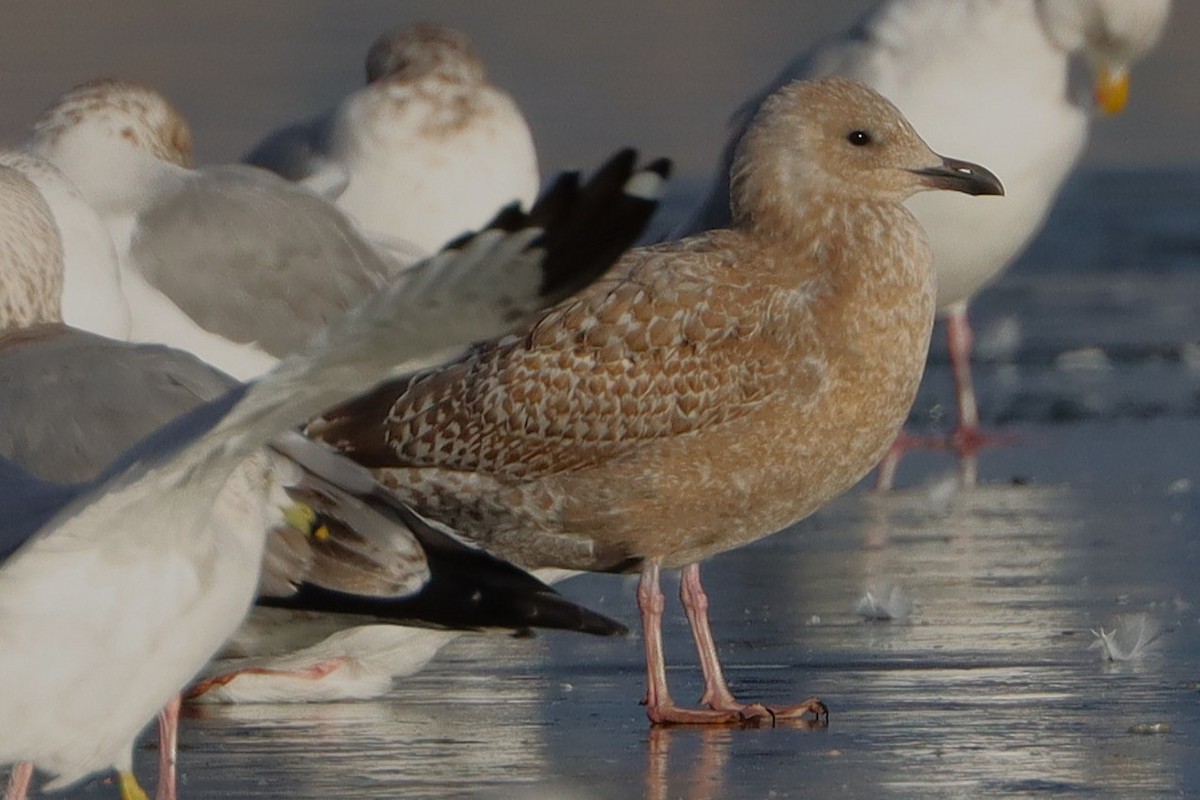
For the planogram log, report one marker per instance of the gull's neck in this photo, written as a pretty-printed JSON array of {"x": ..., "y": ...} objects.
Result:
[{"x": 116, "y": 178}]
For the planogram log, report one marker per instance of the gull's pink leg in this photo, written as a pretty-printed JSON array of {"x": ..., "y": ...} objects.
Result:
[
  {"x": 968, "y": 438},
  {"x": 716, "y": 690},
  {"x": 168, "y": 748},
  {"x": 885, "y": 475},
  {"x": 695, "y": 605},
  {"x": 660, "y": 708},
  {"x": 312, "y": 673},
  {"x": 18, "y": 781},
  {"x": 651, "y": 604}
]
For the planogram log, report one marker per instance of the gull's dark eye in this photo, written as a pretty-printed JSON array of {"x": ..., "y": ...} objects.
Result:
[{"x": 858, "y": 138}]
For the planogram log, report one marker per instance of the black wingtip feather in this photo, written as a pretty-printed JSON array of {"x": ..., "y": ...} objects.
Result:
[
  {"x": 586, "y": 225},
  {"x": 663, "y": 167},
  {"x": 605, "y": 222},
  {"x": 469, "y": 589}
]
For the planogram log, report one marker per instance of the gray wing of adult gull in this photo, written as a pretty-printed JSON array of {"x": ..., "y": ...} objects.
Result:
[
  {"x": 30, "y": 503},
  {"x": 297, "y": 153},
  {"x": 74, "y": 401},
  {"x": 253, "y": 258},
  {"x": 27, "y": 503}
]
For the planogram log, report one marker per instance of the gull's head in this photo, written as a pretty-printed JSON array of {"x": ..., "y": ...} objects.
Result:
[
  {"x": 103, "y": 134},
  {"x": 1110, "y": 34},
  {"x": 836, "y": 139},
  {"x": 31, "y": 257},
  {"x": 106, "y": 112},
  {"x": 424, "y": 49}
]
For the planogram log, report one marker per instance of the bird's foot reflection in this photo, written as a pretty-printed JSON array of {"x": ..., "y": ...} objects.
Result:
[
  {"x": 705, "y": 769},
  {"x": 967, "y": 441},
  {"x": 701, "y": 755}
]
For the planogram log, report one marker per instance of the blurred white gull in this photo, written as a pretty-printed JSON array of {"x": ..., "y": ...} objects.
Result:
[
  {"x": 114, "y": 592},
  {"x": 429, "y": 148},
  {"x": 75, "y": 401},
  {"x": 92, "y": 298},
  {"x": 230, "y": 263},
  {"x": 998, "y": 82}
]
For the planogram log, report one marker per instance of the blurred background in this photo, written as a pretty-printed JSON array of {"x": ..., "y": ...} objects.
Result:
[
  {"x": 661, "y": 76},
  {"x": 988, "y": 684}
]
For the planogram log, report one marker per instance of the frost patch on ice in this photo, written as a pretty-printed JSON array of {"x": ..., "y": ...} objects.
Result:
[
  {"x": 1189, "y": 356},
  {"x": 1000, "y": 341},
  {"x": 1087, "y": 359},
  {"x": 1133, "y": 637},
  {"x": 941, "y": 492},
  {"x": 885, "y": 603},
  {"x": 1181, "y": 486}
]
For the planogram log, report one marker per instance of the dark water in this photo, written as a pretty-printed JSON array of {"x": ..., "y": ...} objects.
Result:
[{"x": 987, "y": 683}]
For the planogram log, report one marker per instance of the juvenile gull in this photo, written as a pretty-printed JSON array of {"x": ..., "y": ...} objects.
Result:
[
  {"x": 288, "y": 655},
  {"x": 1000, "y": 78},
  {"x": 427, "y": 149},
  {"x": 705, "y": 393},
  {"x": 143, "y": 572}
]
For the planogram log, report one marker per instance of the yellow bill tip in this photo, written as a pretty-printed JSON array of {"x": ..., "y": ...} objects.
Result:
[
  {"x": 130, "y": 788},
  {"x": 1112, "y": 90}
]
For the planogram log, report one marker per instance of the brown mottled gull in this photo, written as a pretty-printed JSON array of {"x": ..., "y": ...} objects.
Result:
[{"x": 708, "y": 392}]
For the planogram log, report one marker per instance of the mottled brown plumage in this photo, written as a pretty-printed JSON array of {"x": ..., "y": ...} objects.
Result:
[
  {"x": 708, "y": 392},
  {"x": 28, "y": 295}
]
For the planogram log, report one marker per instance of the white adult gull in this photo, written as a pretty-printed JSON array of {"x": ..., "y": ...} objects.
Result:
[
  {"x": 114, "y": 592},
  {"x": 230, "y": 263},
  {"x": 998, "y": 79},
  {"x": 429, "y": 148},
  {"x": 74, "y": 401}
]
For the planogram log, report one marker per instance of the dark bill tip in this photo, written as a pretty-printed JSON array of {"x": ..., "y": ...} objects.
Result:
[{"x": 961, "y": 176}]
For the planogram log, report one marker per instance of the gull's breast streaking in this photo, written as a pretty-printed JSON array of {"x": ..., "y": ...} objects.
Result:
[{"x": 92, "y": 297}]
